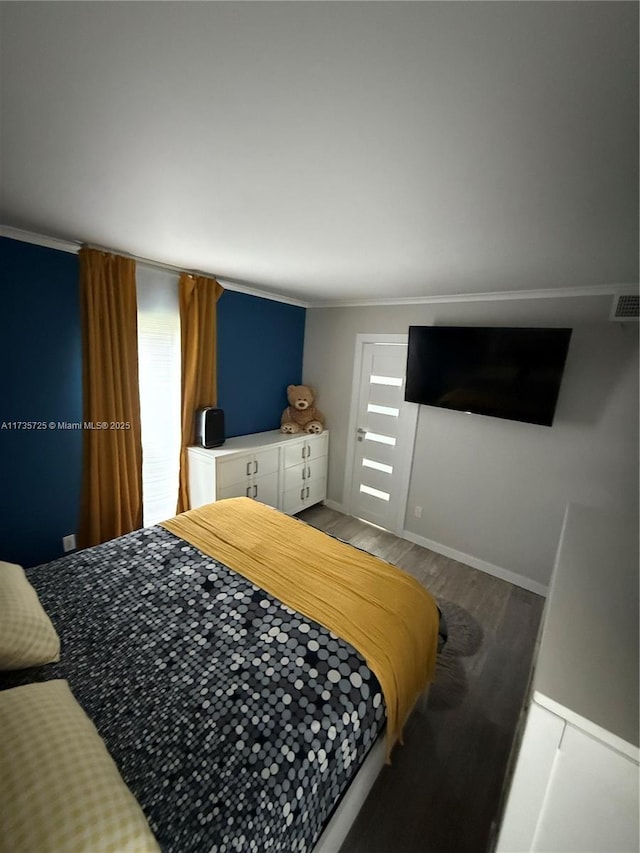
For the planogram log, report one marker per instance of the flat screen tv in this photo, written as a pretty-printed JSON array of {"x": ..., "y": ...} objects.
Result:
[{"x": 511, "y": 373}]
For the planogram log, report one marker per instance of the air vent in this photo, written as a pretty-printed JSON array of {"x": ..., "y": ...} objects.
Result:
[{"x": 625, "y": 308}]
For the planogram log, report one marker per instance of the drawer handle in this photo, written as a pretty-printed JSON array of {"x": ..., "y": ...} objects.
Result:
[
  {"x": 248, "y": 490},
  {"x": 308, "y": 450},
  {"x": 255, "y": 467},
  {"x": 304, "y": 473},
  {"x": 303, "y": 450},
  {"x": 255, "y": 491},
  {"x": 248, "y": 469},
  {"x": 307, "y": 491},
  {"x": 302, "y": 493},
  {"x": 308, "y": 472}
]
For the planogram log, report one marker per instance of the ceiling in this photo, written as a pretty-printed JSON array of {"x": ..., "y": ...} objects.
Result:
[{"x": 331, "y": 151}]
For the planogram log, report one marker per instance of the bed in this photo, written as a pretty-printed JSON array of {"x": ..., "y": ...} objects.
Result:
[{"x": 237, "y": 721}]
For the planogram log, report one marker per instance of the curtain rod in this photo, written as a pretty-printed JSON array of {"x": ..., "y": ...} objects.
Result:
[
  {"x": 234, "y": 284},
  {"x": 146, "y": 261}
]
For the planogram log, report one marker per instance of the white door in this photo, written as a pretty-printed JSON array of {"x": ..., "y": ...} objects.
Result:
[{"x": 382, "y": 436}]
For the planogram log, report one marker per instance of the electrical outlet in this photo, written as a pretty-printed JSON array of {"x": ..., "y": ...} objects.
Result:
[
  {"x": 417, "y": 511},
  {"x": 69, "y": 542}
]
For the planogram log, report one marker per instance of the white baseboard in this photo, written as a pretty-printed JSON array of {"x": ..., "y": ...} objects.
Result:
[
  {"x": 477, "y": 563},
  {"x": 461, "y": 557}
]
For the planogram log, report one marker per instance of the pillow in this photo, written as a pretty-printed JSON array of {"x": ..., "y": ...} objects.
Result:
[
  {"x": 60, "y": 790},
  {"x": 27, "y": 637}
]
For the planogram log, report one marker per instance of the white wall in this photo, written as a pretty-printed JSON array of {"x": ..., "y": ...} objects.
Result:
[{"x": 494, "y": 489}]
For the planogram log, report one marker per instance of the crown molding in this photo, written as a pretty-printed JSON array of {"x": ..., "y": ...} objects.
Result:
[
  {"x": 70, "y": 246},
  {"x": 74, "y": 246},
  {"x": 241, "y": 287},
  {"x": 494, "y": 296}
]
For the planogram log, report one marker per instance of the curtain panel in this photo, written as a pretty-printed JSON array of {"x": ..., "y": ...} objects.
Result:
[
  {"x": 112, "y": 450},
  {"x": 198, "y": 300}
]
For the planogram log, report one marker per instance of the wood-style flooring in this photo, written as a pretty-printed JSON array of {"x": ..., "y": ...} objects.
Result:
[{"x": 443, "y": 791}]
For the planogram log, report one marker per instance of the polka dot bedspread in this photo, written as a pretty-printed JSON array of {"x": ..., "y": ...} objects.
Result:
[{"x": 236, "y": 722}]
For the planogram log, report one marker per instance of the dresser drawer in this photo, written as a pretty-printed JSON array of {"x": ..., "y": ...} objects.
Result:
[
  {"x": 302, "y": 474},
  {"x": 237, "y": 469},
  {"x": 304, "y": 449}
]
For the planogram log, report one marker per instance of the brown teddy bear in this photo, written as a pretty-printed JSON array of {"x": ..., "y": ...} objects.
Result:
[{"x": 301, "y": 415}]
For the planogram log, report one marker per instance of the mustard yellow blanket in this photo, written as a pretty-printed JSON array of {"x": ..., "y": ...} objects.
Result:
[{"x": 382, "y": 611}]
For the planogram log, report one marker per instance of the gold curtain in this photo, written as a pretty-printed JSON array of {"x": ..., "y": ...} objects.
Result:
[
  {"x": 112, "y": 450},
  {"x": 198, "y": 299}
]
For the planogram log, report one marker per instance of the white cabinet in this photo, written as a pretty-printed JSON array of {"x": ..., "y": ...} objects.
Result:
[
  {"x": 304, "y": 472},
  {"x": 572, "y": 791},
  {"x": 575, "y": 783},
  {"x": 592, "y": 798},
  {"x": 284, "y": 471}
]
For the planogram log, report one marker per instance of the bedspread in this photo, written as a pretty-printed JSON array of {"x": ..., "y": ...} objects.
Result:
[
  {"x": 235, "y": 721},
  {"x": 382, "y": 611}
]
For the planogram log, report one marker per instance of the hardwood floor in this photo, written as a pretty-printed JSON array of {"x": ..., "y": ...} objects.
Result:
[{"x": 442, "y": 792}]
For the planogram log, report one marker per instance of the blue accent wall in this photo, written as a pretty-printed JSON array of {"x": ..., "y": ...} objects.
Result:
[
  {"x": 40, "y": 380},
  {"x": 260, "y": 344}
]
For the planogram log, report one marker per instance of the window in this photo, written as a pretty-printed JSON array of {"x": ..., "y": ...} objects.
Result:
[{"x": 159, "y": 377}]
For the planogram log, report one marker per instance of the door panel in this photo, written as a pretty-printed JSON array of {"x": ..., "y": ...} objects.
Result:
[
  {"x": 382, "y": 425},
  {"x": 385, "y": 362},
  {"x": 383, "y": 395},
  {"x": 384, "y": 437},
  {"x": 371, "y": 509},
  {"x": 376, "y": 479},
  {"x": 381, "y": 453}
]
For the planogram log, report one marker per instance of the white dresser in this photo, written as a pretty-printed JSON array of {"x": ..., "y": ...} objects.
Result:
[
  {"x": 575, "y": 783},
  {"x": 288, "y": 472}
]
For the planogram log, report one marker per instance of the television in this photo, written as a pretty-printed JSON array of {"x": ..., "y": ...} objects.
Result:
[{"x": 511, "y": 373}]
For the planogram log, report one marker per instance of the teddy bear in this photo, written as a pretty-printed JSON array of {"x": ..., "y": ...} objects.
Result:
[{"x": 301, "y": 415}]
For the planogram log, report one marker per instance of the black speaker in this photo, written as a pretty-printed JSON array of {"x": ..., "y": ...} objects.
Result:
[{"x": 210, "y": 427}]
